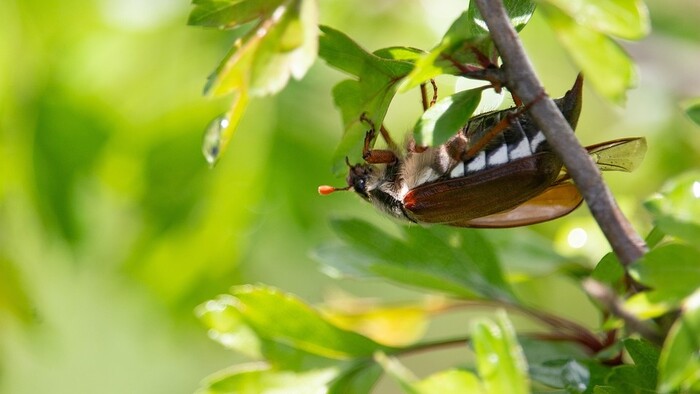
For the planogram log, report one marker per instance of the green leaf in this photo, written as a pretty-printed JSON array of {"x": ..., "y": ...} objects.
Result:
[
  {"x": 446, "y": 117},
  {"x": 609, "y": 271},
  {"x": 227, "y": 14},
  {"x": 461, "y": 263},
  {"x": 499, "y": 358},
  {"x": 399, "y": 53},
  {"x": 606, "y": 65},
  {"x": 650, "y": 304},
  {"x": 692, "y": 110},
  {"x": 643, "y": 353},
  {"x": 377, "y": 79},
  {"x": 260, "y": 378},
  {"x": 358, "y": 379},
  {"x": 282, "y": 44},
  {"x": 654, "y": 237},
  {"x": 466, "y": 44},
  {"x": 673, "y": 270},
  {"x": 676, "y": 209},
  {"x": 453, "y": 381},
  {"x": 627, "y": 19},
  {"x": 571, "y": 375},
  {"x": 226, "y": 326},
  {"x": 679, "y": 363},
  {"x": 640, "y": 377},
  {"x": 560, "y": 365},
  {"x": 284, "y": 319}
]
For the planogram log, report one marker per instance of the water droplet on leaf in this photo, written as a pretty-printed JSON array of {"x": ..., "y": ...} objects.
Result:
[{"x": 213, "y": 141}]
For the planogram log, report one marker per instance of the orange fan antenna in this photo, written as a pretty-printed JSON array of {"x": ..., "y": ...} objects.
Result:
[{"x": 325, "y": 190}]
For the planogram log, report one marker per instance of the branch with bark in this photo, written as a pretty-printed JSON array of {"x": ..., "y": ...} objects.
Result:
[{"x": 523, "y": 82}]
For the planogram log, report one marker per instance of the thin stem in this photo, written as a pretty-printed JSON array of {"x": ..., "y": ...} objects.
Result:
[
  {"x": 568, "y": 329},
  {"x": 607, "y": 298},
  {"x": 521, "y": 80},
  {"x": 433, "y": 345},
  {"x": 461, "y": 341}
]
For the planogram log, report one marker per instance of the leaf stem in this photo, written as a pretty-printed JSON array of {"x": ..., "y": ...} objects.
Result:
[
  {"x": 521, "y": 80},
  {"x": 432, "y": 345}
]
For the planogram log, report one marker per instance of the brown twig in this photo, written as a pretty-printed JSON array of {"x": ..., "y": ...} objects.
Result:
[
  {"x": 562, "y": 328},
  {"x": 521, "y": 80},
  {"x": 609, "y": 300}
]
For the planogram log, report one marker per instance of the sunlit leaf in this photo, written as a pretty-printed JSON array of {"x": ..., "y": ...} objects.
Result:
[
  {"x": 676, "y": 209},
  {"x": 369, "y": 93},
  {"x": 226, "y": 14},
  {"x": 460, "y": 263},
  {"x": 226, "y": 326},
  {"x": 680, "y": 357},
  {"x": 467, "y": 44},
  {"x": 650, "y": 304},
  {"x": 606, "y": 65},
  {"x": 283, "y": 43},
  {"x": 673, "y": 270},
  {"x": 444, "y": 119},
  {"x": 399, "y": 53},
  {"x": 453, "y": 381},
  {"x": 623, "y": 18},
  {"x": 499, "y": 358},
  {"x": 260, "y": 378},
  {"x": 392, "y": 325},
  {"x": 285, "y": 319}
]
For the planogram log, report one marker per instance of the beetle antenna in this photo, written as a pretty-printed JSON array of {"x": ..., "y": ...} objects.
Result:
[{"x": 325, "y": 190}]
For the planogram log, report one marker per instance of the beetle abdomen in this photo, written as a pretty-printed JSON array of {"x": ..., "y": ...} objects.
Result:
[{"x": 521, "y": 139}]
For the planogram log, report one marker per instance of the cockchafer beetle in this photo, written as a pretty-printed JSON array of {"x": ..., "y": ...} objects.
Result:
[{"x": 497, "y": 171}]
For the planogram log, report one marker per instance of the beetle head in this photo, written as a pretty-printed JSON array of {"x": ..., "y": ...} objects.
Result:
[{"x": 357, "y": 179}]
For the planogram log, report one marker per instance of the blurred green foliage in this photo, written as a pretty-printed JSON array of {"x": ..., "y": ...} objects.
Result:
[{"x": 112, "y": 227}]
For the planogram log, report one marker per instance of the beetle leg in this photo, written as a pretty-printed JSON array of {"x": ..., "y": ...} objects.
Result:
[
  {"x": 377, "y": 156},
  {"x": 516, "y": 99},
  {"x": 456, "y": 146},
  {"x": 413, "y": 148},
  {"x": 500, "y": 127}
]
